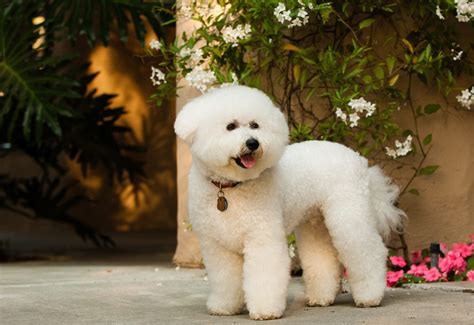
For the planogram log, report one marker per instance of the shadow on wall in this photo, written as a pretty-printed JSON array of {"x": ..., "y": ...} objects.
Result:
[
  {"x": 112, "y": 207},
  {"x": 119, "y": 207}
]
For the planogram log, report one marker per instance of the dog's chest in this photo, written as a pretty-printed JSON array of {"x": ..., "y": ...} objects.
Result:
[{"x": 246, "y": 211}]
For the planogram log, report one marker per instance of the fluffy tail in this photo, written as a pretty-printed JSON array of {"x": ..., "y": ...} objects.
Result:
[{"x": 384, "y": 194}]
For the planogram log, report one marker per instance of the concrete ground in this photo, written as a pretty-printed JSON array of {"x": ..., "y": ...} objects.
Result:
[{"x": 148, "y": 289}]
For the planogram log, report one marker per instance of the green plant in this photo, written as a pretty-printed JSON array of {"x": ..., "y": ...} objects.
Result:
[
  {"x": 46, "y": 111},
  {"x": 339, "y": 70}
]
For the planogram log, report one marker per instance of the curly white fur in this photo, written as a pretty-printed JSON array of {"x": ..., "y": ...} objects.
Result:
[{"x": 338, "y": 207}]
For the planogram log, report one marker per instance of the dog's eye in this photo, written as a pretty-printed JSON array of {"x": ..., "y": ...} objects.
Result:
[
  {"x": 254, "y": 125},
  {"x": 231, "y": 126}
]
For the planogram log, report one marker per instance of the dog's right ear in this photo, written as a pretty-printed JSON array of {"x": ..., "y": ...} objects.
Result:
[{"x": 186, "y": 122}]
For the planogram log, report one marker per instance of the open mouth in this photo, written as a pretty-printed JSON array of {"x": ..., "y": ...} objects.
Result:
[{"x": 246, "y": 161}]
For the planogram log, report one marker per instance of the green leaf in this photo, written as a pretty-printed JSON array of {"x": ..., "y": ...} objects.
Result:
[
  {"x": 431, "y": 108},
  {"x": 427, "y": 139},
  {"x": 366, "y": 23},
  {"x": 378, "y": 71},
  {"x": 470, "y": 263},
  {"x": 390, "y": 64},
  {"x": 367, "y": 79},
  {"x": 414, "y": 191},
  {"x": 428, "y": 170}
]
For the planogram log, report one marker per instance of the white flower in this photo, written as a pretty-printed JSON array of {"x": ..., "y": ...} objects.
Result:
[
  {"x": 438, "y": 13},
  {"x": 360, "y": 105},
  {"x": 390, "y": 152},
  {"x": 292, "y": 250},
  {"x": 157, "y": 76},
  {"x": 464, "y": 10},
  {"x": 185, "y": 12},
  {"x": 195, "y": 56},
  {"x": 185, "y": 51},
  {"x": 456, "y": 56},
  {"x": 402, "y": 149},
  {"x": 281, "y": 13},
  {"x": 340, "y": 114},
  {"x": 200, "y": 79},
  {"x": 235, "y": 81},
  {"x": 466, "y": 99},
  {"x": 353, "y": 119},
  {"x": 155, "y": 44},
  {"x": 234, "y": 35}
]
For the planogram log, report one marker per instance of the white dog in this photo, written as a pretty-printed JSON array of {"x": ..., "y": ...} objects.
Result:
[{"x": 248, "y": 190}]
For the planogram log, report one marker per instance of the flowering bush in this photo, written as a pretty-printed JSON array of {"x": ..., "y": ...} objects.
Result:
[
  {"x": 339, "y": 70},
  {"x": 456, "y": 264}
]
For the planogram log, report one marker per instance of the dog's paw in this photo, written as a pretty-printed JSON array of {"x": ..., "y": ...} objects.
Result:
[
  {"x": 269, "y": 316},
  {"x": 223, "y": 312},
  {"x": 368, "y": 304},
  {"x": 319, "y": 302}
]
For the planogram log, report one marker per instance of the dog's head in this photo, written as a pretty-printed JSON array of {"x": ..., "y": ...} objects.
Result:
[{"x": 234, "y": 132}]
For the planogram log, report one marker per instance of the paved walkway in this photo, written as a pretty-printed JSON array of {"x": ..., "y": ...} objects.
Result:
[{"x": 146, "y": 290}]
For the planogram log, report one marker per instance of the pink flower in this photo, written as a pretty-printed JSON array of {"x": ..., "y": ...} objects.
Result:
[
  {"x": 418, "y": 270},
  {"x": 416, "y": 256},
  {"x": 393, "y": 277},
  {"x": 398, "y": 261},
  {"x": 470, "y": 275},
  {"x": 426, "y": 259},
  {"x": 457, "y": 261},
  {"x": 444, "y": 248},
  {"x": 463, "y": 249},
  {"x": 445, "y": 264},
  {"x": 432, "y": 275}
]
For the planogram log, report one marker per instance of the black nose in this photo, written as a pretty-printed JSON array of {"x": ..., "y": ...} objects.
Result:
[{"x": 252, "y": 144}]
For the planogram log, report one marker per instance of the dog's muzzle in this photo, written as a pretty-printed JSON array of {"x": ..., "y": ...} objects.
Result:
[{"x": 247, "y": 159}]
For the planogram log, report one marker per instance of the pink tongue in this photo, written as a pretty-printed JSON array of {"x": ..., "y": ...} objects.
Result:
[{"x": 248, "y": 161}]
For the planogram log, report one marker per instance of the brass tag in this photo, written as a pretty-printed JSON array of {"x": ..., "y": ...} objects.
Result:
[{"x": 221, "y": 201}]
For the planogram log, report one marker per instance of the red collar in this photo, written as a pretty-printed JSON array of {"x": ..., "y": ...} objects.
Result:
[{"x": 225, "y": 185}]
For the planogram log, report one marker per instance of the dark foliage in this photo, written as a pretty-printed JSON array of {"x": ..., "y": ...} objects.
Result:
[{"x": 46, "y": 112}]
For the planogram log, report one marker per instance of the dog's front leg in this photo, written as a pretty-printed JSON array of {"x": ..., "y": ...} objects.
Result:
[
  {"x": 224, "y": 269},
  {"x": 266, "y": 274}
]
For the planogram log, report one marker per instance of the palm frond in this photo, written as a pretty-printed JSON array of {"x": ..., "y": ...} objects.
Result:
[
  {"x": 31, "y": 91},
  {"x": 96, "y": 18}
]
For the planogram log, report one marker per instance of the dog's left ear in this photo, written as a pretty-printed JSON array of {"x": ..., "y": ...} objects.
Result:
[{"x": 186, "y": 122}]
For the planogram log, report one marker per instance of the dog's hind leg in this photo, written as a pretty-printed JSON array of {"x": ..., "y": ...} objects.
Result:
[
  {"x": 321, "y": 268},
  {"x": 347, "y": 215},
  {"x": 224, "y": 270}
]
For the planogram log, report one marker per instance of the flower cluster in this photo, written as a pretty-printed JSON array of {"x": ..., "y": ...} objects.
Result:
[
  {"x": 234, "y": 35},
  {"x": 157, "y": 76},
  {"x": 466, "y": 99},
  {"x": 194, "y": 56},
  {"x": 200, "y": 78},
  {"x": 464, "y": 10},
  {"x": 455, "y": 264},
  {"x": 358, "y": 106},
  {"x": 402, "y": 148},
  {"x": 207, "y": 11},
  {"x": 283, "y": 15}
]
